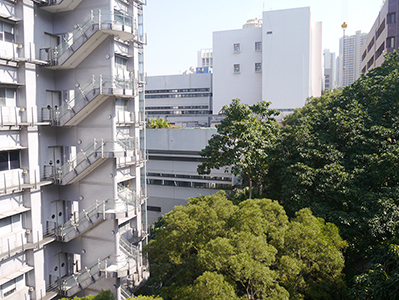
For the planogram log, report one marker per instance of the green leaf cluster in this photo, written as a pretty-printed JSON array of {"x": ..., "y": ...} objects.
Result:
[
  {"x": 243, "y": 142},
  {"x": 159, "y": 123},
  {"x": 213, "y": 249},
  {"x": 339, "y": 156}
]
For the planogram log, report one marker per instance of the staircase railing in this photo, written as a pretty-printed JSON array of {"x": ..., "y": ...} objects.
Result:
[
  {"x": 102, "y": 19},
  {"x": 129, "y": 248},
  {"x": 103, "y": 85},
  {"x": 95, "y": 149},
  {"x": 86, "y": 277}
]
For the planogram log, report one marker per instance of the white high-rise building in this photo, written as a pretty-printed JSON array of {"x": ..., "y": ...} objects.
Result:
[
  {"x": 329, "y": 70},
  {"x": 72, "y": 152},
  {"x": 350, "y": 57},
  {"x": 278, "y": 61}
]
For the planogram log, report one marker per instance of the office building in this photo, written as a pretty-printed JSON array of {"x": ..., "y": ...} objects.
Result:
[
  {"x": 279, "y": 60},
  {"x": 183, "y": 100},
  {"x": 382, "y": 38},
  {"x": 350, "y": 57},
  {"x": 172, "y": 169},
  {"x": 72, "y": 156}
]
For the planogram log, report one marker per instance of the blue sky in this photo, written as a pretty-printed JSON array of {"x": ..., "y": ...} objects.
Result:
[{"x": 177, "y": 29}]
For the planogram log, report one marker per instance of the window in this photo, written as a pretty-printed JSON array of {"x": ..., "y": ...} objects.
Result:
[
  {"x": 7, "y": 97},
  {"x": 391, "y": 18},
  {"x": 379, "y": 51},
  {"x": 6, "y": 32},
  {"x": 9, "y": 160},
  {"x": 380, "y": 30},
  {"x": 258, "y": 46},
  {"x": 10, "y": 287},
  {"x": 258, "y": 67},
  {"x": 237, "y": 68},
  {"x": 237, "y": 48},
  {"x": 391, "y": 42},
  {"x": 153, "y": 208},
  {"x": 121, "y": 66},
  {"x": 371, "y": 44}
]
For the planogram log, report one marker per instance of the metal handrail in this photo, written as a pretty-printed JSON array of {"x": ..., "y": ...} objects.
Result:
[
  {"x": 100, "y": 18},
  {"x": 99, "y": 85}
]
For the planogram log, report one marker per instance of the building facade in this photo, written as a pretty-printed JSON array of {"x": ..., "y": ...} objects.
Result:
[
  {"x": 350, "y": 57},
  {"x": 184, "y": 100},
  {"x": 172, "y": 169},
  {"x": 72, "y": 157},
  {"x": 329, "y": 70},
  {"x": 205, "y": 58},
  {"x": 382, "y": 38},
  {"x": 279, "y": 60}
]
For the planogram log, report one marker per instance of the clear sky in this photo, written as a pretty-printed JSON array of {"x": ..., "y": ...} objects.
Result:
[{"x": 177, "y": 29}]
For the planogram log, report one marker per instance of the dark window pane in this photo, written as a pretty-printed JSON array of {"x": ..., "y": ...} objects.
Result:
[
  {"x": 8, "y": 37},
  {"x": 3, "y": 161},
  {"x": 14, "y": 160}
]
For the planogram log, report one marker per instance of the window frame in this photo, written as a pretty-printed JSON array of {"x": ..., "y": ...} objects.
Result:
[
  {"x": 258, "y": 46},
  {"x": 258, "y": 67}
]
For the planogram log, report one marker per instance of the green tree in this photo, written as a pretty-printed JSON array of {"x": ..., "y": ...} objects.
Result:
[
  {"x": 251, "y": 250},
  {"x": 242, "y": 142},
  {"x": 339, "y": 156},
  {"x": 158, "y": 123}
]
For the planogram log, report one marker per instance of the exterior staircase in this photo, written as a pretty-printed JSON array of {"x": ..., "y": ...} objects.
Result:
[
  {"x": 88, "y": 35},
  {"x": 89, "y": 97},
  {"x": 112, "y": 266}
]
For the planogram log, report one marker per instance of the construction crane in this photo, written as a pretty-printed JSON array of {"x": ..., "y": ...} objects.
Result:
[{"x": 344, "y": 19}]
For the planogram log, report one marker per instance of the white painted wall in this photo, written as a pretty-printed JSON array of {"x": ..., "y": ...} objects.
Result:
[
  {"x": 227, "y": 85},
  {"x": 286, "y": 57}
]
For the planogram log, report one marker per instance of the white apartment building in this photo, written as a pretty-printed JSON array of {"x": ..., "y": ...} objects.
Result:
[
  {"x": 172, "y": 169},
  {"x": 184, "y": 100},
  {"x": 278, "y": 61},
  {"x": 350, "y": 57},
  {"x": 72, "y": 151}
]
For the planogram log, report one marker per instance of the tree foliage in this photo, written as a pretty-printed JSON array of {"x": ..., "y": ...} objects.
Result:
[
  {"x": 159, "y": 123},
  {"x": 213, "y": 249},
  {"x": 339, "y": 156},
  {"x": 243, "y": 141}
]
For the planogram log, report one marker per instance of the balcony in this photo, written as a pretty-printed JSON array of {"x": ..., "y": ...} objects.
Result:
[
  {"x": 89, "y": 97},
  {"x": 87, "y": 37},
  {"x": 55, "y": 6}
]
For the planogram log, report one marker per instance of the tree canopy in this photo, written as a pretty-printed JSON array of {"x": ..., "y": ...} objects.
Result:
[
  {"x": 213, "y": 249},
  {"x": 339, "y": 156},
  {"x": 243, "y": 140},
  {"x": 159, "y": 123}
]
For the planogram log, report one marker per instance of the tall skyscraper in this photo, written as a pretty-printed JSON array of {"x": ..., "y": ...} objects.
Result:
[
  {"x": 350, "y": 57},
  {"x": 72, "y": 154}
]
